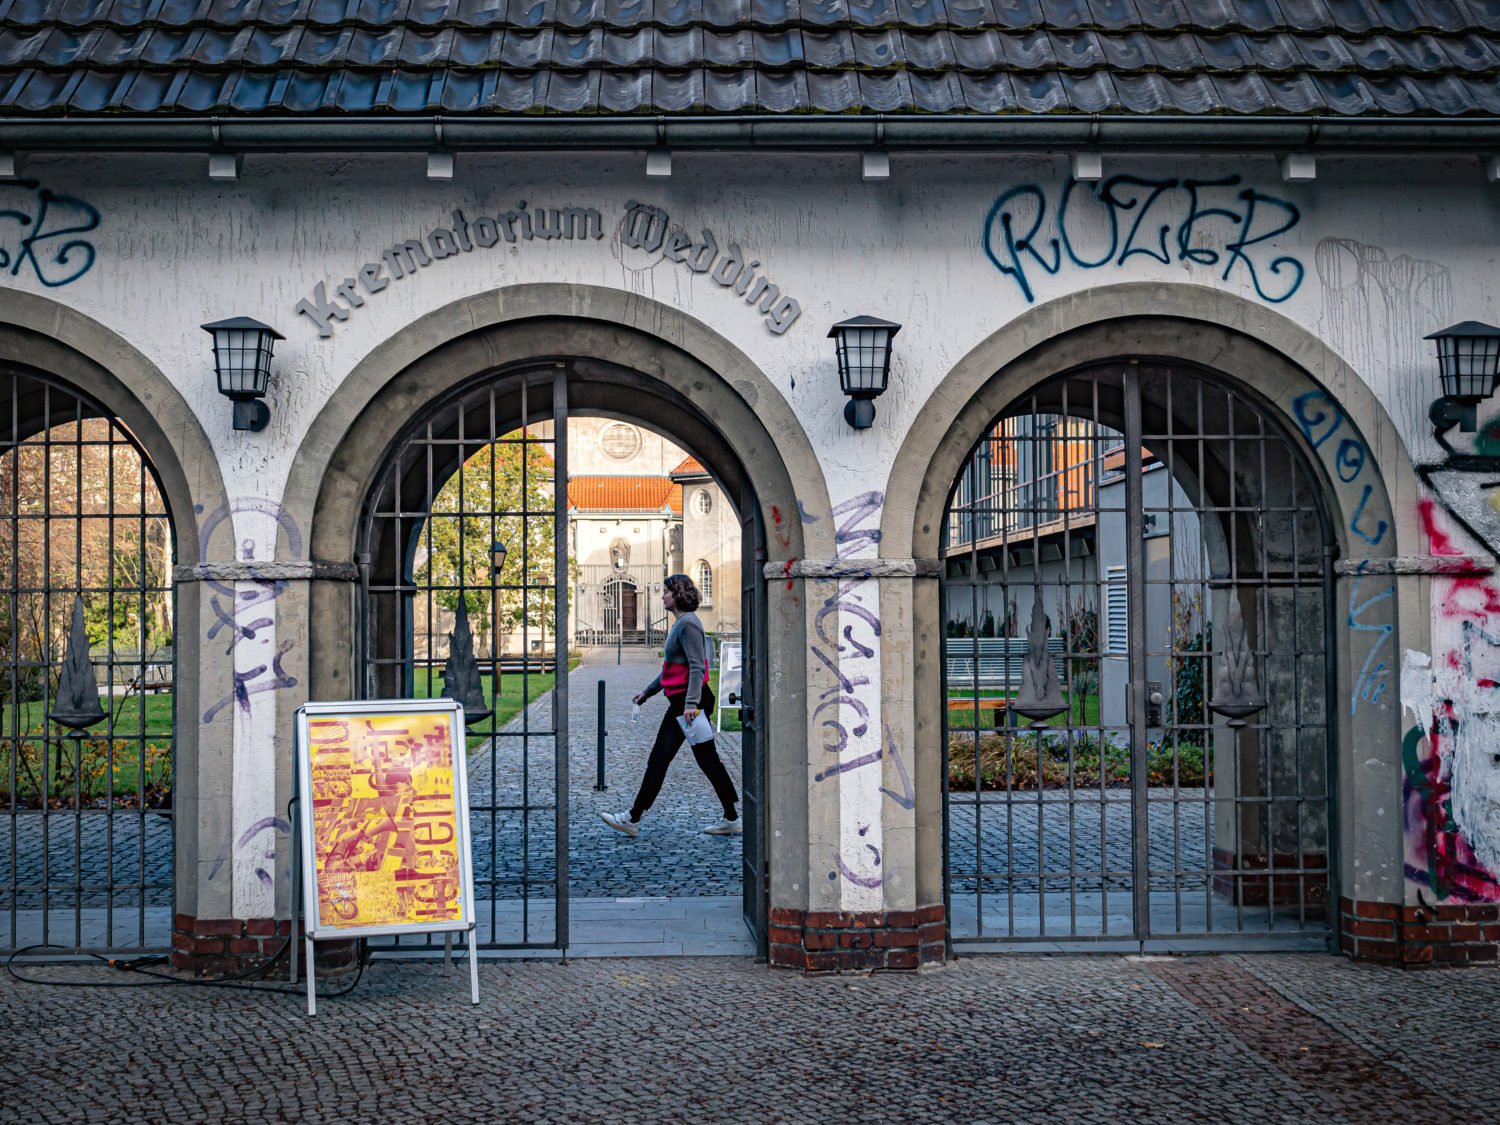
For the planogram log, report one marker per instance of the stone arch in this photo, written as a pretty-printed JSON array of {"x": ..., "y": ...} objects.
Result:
[
  {"x": 669, "y": 349},
  {"x": 637, "y": 360},
  {"x": 45, "y": 335},
  {"x": 1366, "y": 473},
  {"x": 1250, "y": 344}
]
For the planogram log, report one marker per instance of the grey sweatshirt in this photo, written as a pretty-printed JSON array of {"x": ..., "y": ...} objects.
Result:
[{"x": 686, "y": 647}]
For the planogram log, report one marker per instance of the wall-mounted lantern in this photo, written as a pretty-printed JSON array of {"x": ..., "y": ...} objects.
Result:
[
  {"x": 242, "y": 359},
  {"x": 1468, "y": 364},
  {"x": 864, "y": 353}
]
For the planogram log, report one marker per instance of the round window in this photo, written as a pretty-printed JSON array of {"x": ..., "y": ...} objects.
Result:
[
  {"x": 703, "y": 502},
  {"x": 620, "y": 441}
]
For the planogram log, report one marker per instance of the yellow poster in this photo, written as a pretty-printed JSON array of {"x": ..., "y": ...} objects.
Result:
[{"x": 388, "y": 843}]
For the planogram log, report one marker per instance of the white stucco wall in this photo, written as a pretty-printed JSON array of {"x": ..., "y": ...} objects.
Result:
[{"x": 1370, "y": 257}]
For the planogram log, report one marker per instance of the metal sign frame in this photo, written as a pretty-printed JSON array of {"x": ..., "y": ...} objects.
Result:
[{"x": 456, "y": 817}]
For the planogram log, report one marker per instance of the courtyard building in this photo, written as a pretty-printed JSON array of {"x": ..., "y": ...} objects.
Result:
[{"x": 1077, "y": 415}]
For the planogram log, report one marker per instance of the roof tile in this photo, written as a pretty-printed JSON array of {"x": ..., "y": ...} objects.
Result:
[
  {"x": 624, "y": 494},
  {"x": 627, "y": 48},
  {"x": 624, "y": 91},
  {"x": 977, "y": 51},
  {"x": 677, "y": 91},
  {"x": 828, "y": 49},
  {"x": 832, "y": 92},
  {"x": 1372, "y": 57}
]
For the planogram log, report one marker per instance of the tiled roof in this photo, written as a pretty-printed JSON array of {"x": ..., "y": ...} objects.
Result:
[
  {"x": 611, "y": 57},
  {"x": 624, "y": 494},
  {"x": 690, "y": 467}
]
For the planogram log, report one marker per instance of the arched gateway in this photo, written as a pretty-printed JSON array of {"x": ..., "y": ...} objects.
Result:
[
  {"x": 396, "y": 485},
  {"x": 102, "y": 466},
  {"x": 1162, "y": 767},
  {"x": 1139, "y": 676}
]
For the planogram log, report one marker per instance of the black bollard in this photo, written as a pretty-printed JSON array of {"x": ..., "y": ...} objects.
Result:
[{"x": 599, "y": 786}]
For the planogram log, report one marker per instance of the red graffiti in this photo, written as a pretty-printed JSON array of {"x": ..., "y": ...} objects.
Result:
[
  {"x": 783, "y": 535},
  {"x": 1442, "y": 543},
  {"x": 1452, "y": 869},
  {"x": 786, "y": 569}
]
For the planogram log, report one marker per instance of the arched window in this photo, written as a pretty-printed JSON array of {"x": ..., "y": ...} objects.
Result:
[{"x": 705, "y": 580}]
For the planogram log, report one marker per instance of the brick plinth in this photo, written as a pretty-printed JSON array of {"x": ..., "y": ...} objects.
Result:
[
  {"x": 1419, "y": 936},
  {"x": 217, "y": 947},
  {"x": 826, "y": 941},
  {"x": 1283, "y": 879}
]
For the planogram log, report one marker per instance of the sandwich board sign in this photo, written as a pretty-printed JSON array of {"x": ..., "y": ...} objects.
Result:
[
  {"x": 730, "y": 671},
  {"x": 384, "y": 811}
]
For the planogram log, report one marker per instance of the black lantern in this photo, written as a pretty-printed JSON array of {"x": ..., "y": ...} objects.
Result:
[
  {"x": 242, "y": 358},
  {"x": 1468, "y": 364},
  {"x": 497, "y": 558},
  {"x": 864, "y": 351}
]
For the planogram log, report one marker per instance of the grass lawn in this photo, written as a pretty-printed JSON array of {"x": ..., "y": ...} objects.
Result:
[
  {"x": 38, "y": 741},
  {"x": 82, "y": 766},
  {"x": 728, "y": 720},
  {"x": 508, "y": 706},
  {"x": 961, "y": 718}
]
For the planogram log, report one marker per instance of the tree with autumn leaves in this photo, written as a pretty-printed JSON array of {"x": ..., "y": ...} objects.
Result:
[{"x": 481, "y": 504}]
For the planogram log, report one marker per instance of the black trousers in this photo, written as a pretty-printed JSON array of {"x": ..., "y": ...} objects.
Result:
[{"x": 669, "y": 740}]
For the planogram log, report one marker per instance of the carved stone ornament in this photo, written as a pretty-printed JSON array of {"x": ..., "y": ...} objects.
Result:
[
  {"x": 1237, "y": 693},
  {"x": 77, "y": 703},
  {"x": 1041, "y": 695},
  {"x": 461, "y": 678}
]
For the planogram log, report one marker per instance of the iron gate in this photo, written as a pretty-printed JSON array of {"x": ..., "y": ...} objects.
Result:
[
  {"x": 487, "y": 466},
  {"x": 755, "y": 874},
  {"x": 87, "y": 836},
  {"x": 1137, "y": 671}
]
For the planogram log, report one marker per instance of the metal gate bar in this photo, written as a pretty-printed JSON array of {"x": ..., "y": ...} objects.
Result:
[
  {"x": 86, "y": 853},
  {"x": 444, "y": 497},
  {"x": 1143, "y": 506}
]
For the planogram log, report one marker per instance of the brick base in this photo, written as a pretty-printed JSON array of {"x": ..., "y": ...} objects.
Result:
[
  {"x": 215, "y": 947},
  {"x": 1253, "y": 879},
  {"x": 1419, "y": 936},
  {"x": 827, "y": 941}
]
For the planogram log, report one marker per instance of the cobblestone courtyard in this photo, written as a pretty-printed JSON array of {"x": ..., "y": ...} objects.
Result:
[{"x": 1124, "y": 1041}]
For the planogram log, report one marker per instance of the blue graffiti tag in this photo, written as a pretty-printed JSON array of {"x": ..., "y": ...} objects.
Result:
[
  {"x": 1319, "y": 417},
  {"x": 1171, "y": 221},
  {"x": 39, "y": 240},
  {"x": 1370, "y": 684}
]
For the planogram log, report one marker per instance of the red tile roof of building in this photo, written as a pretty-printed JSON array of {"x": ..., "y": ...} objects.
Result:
[
  {"x": 691, "y": 467},
  {"x": 624, "y": 494}
]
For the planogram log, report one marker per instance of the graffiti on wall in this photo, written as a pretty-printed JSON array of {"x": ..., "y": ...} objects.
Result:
[
  {"x": 243, "y": 612},
  {"x": 1216, "y": 224},
  {"x": 846, "y": 632},
  {"x": 1376, "y": 308},
  {"x": 1320, "y": 418},
  {"x": 1451, "y": 756},
  {"x": 40, "y": 234}
]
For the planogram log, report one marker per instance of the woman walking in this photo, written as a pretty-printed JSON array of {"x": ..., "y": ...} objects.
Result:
[{"x": 684, "y": 679}]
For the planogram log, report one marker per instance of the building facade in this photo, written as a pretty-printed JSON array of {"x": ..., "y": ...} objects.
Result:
[{"x": 1221, "y": 241}]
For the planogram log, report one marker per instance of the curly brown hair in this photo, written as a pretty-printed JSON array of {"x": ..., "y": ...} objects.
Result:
[{"x": 684, "y": 593}]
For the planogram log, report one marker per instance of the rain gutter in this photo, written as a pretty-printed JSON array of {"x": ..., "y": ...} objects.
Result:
[{"x": 911, "y": 132}]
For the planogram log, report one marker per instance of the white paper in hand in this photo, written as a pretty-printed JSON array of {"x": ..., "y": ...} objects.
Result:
[{"x": 699, "y": 731}]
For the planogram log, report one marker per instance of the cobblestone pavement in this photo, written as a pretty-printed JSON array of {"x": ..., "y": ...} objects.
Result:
[
  {"x": 1003, "y": 1039},
  {"x": 671, "y": 856}
]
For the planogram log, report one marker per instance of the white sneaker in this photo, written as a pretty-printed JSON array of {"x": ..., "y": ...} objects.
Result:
[
  {"x": 724, "y": 827},
  {"x": 620, "y": 822}
]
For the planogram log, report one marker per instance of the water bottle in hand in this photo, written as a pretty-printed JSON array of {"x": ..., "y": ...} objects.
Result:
[{"x": 635, "y": 712}]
